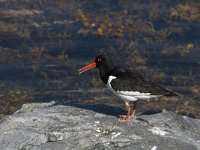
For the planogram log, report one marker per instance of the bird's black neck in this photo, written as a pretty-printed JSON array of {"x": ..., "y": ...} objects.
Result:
[
  {"x": 105, "y": 72},
  {"x": 105, "y": 67}
]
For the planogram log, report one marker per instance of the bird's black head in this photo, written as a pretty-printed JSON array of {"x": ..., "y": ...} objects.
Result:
[
  {"x": 104, "y": 64},
  {"x": 100, "y": 62}
]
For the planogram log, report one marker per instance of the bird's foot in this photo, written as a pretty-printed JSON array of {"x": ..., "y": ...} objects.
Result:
[
  {"x": 132, "y": 115},
  {"x": 125, "y": 118}
]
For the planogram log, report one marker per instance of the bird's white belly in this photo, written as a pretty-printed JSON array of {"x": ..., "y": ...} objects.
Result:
[{"x": 129, "y": 95}]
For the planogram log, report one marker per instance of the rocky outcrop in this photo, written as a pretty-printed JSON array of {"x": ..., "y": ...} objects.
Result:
[{"x": 60, "y": 127}]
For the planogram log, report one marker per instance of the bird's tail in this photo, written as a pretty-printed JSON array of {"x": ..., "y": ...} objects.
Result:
[{"x": 171, "y": 94}]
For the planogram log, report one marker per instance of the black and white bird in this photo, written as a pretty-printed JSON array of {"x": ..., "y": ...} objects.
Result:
[{"x": 126, "y": 84}]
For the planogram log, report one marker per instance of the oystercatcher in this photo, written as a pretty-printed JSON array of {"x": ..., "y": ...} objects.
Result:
[{"x": 126, "y": 84}]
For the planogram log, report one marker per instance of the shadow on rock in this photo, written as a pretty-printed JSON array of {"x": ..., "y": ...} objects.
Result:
[
  {"x": 99, "y": 108},
  {"x": 151, "y": 112}
]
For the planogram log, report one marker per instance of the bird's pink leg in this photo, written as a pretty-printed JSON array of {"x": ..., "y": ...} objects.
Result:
[
  {"x": 126, "y": 117},
  {"x": 132, "y": 115}
]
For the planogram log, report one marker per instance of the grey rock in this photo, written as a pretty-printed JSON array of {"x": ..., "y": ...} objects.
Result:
[{"x": 51, "y": 126}]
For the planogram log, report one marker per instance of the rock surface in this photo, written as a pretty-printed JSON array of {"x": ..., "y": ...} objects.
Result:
[{"x": 60, "y": 127}]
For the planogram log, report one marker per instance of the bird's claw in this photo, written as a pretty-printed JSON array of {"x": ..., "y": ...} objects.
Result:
[{"x": 125, "y": 118}]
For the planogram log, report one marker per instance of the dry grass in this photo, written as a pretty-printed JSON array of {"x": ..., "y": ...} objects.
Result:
[
  {"x": 186, "y": 12},
  {"x": 8, "y": 28},
  {"x": 183, "y": 50}
]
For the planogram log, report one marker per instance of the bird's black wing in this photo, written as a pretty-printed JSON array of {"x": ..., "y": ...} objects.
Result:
[{"x": 133, "y": 82}]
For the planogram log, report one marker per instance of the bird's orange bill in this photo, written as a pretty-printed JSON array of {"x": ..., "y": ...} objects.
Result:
[{"x": 88, "y": 67}]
